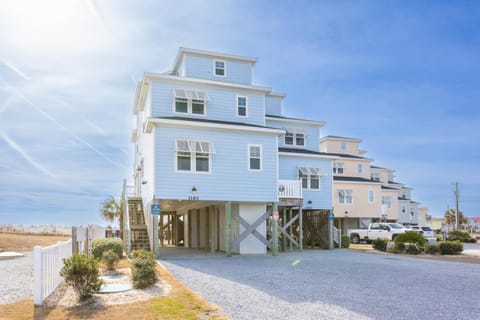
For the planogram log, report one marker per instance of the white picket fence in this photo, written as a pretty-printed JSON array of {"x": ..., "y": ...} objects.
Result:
[{"x": 48, "y": 262}]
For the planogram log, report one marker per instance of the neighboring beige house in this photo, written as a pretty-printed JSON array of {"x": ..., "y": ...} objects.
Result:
[
  {"x": 436, "y": 224},
  {"x": 363, "y": 193}
]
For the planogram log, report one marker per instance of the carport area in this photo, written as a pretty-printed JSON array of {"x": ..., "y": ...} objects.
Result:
[{"x": 203, "y": 227}]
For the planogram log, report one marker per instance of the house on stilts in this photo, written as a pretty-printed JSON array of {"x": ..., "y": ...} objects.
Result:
[{"x": 217, "y": 158}]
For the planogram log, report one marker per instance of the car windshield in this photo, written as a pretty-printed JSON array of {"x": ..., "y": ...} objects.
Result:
[
  {"x": 426, "y": 229},
  {"x": 395, "y": 225}
]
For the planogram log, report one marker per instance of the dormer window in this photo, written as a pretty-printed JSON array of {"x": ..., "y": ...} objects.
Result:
[
  {"x": 190, "y": 101},
  {"x": 343, "y": 146},
  {"x": 294, "y": 138},
  {"x": 219, "y": 67}
]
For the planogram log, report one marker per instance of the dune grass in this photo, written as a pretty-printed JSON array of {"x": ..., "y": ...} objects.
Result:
[{"x": 26, "y": 242}]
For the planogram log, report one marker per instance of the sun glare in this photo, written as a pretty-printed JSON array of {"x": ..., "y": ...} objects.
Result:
[{"x": 50, "y": 25}]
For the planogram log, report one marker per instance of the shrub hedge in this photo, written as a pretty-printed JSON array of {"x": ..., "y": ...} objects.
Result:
[
  {"x": 110, "y": 258},
  {"x": 81, "y": 272},
  {"x": 462, "y": 236},
  {"x": 432, "y": 249},
  {"x": 99, "y": 246},
  {"x": 144, "y": 272},
  {"x": 451, "y": 247},
  {"x": 380, "y": 244},
  {"x": 345, "y": 241}
]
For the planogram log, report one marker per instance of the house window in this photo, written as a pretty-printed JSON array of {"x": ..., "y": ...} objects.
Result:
[
  {"x": 190, "y": 101},
  {"x": 255, "y": 157},
  {"x": 371, "y": 196},
  {"x": 219, "y": 68},
  {"x": 359, "y": 168},
  {"x": 310, "y": 178},
  {"x": 193, "y": 155},
  {"x": 375, "y": 177},
  {"x": 387, "y": 201},
  {"x": 181, "y": 105},
  {"x": 294, "y": 138},
  {"x": 343, "y": 146},
  {"x": 289, "y": 138},
  {"x": 338, "y": 167},
  {"x": 345, "y": 196},
  {"x": 241, "y": 106}
]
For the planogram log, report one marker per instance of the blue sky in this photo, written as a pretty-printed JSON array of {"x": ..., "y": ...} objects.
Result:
[{"x": 403, "y": 76}]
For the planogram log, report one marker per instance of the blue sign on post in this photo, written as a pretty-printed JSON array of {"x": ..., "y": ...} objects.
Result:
[
  {"x": 331, "y": 216},
  {"x": 155, "y": 208}
]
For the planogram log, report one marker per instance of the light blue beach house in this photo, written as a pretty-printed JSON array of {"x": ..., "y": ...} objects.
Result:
[{"x": 216, "y": 152}]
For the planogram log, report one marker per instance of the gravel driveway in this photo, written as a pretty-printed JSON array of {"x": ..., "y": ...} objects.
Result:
[
  {"x": 16, "y": 278},
  {"x": 338, "y": 284}
]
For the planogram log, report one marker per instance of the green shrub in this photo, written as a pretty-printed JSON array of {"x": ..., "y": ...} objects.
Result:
[
  {"x": 462, "y": 236},
  {"x": 451, "y": 247},
  {"x": 399, "y": 247},
  {"x": 411, "y": 237},
  {"x": 345, "y": 241},
  {"x": 144, "y": 272},
  {"x": 81, "y": 272},
  {"x": 99, "y": 246},
  {"x": 413, "y": 248},
  {"x": 110, "y": 258},
  {"x": 432, "y": 249},
  {"x": 380, "y": 244}
]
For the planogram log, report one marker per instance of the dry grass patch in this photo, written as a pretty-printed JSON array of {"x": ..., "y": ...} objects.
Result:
[
  {"x": 180, "y": 303},
  {"x": 26, "y": 242}
]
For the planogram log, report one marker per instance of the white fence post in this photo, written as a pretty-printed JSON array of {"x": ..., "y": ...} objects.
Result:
[{"x": 38, "y": 275}]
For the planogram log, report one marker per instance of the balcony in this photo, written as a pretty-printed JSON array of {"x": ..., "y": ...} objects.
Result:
[{"x": 289, "y": 189}]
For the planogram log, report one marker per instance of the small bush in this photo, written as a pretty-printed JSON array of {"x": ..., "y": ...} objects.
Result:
[
  {"x": 99, "y": 246},
  {"x": 432, "y": 249},
  {"x": 110, "y": 258},
  {"x": 413, "y": 248},
  {"x": 411, "y": 237},
  {"x": 450, "y": 247},
  {"x": 345, "y": 241},
  {"x": 144, "y": 272},
  {"x": 462, "y": 236},
  {"x": 81, "y": 272},
  {"x": 380, "y": 244},
  {"x": 399, "y": 247}
]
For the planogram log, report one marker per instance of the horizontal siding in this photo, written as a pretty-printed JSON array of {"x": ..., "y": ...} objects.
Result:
[
  {"x": 229, "y": 178},
  {"x": 312, "y": 134},
  {"x": 320, "y": 199},
  {"x": 273, "y": 106},
  {"x": 221, "y": 106},
  {"x": 202, "y": 68}
]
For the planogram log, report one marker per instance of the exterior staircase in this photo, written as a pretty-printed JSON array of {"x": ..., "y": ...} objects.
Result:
[{"x": 138, "y": 229}]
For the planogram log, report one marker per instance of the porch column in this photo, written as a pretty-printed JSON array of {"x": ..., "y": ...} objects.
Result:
[
  {"x": 300, "y": 230},
  {"x": 284, "y": 222},
  {"x": 291, "y": 228},
  {"x": 275, "y": 229},
  {"x": 228, "y": 228},
  {"x": 155, "y": 248}
]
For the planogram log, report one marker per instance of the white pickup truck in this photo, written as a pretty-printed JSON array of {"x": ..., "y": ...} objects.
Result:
[{"x": 375, "y": 231}]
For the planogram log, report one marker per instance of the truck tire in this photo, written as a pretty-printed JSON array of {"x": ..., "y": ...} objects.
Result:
[{"x": 355, "y": 239}]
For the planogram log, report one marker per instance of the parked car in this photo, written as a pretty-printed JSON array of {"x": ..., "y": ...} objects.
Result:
[
  {"x": 426, "y": 231},
  {"x": 376, "y": 231}
]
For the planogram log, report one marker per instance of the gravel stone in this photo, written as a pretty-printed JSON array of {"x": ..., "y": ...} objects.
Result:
[
  {"x": 16, "y": 278},
  {"x": 338, "y": 284}
]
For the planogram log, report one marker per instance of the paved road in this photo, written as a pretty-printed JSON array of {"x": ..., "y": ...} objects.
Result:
[
  {"x": 471, "y": 249},
  {"x": 338, "y": 284}
]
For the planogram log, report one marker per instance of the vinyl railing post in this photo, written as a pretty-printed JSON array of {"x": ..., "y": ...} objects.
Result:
[
  {"x": 228, "y": 228},
  {"x": 275, "y": 229},
  {"x": 38, "y": 276}
]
